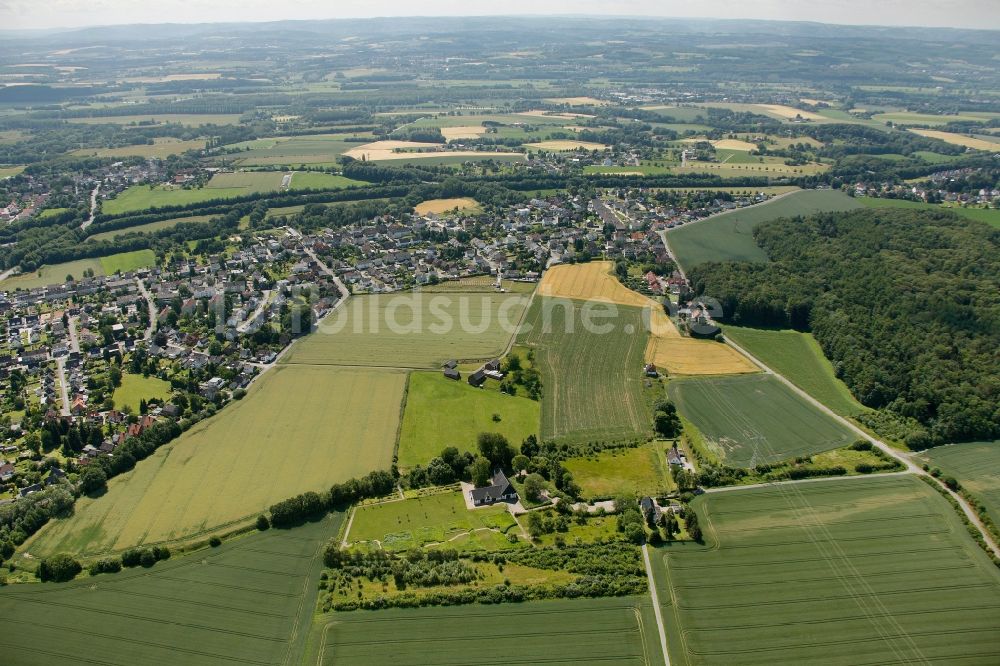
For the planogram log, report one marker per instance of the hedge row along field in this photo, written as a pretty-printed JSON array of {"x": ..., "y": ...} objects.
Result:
[
  {"x": 976, "y": 465},
  {"x": 298, "y": 429},
  {"x": 413, "y": 330},
  {"x": 868, "y": 570},
  {"x": 584, "y": 631},
  {"x": 752, "y": 419},
  {"x": 248, "y": 601},
  {"x": 592, "y": 382},
  {"x": 729, "y": 236}
]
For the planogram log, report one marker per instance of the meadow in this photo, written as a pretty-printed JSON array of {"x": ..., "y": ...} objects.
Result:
[
  {"x": 297, "y": 429},
  {"x": 141, "y": 197},
  {"x": 309, "y": 180},
  {"x": 620, "y": 631},
  {"x": 136, "y": 387},
  {"x": 754, "y": 419},
  {"x": 248, "y": 601},
  {"x": 592, "y": 381},
  {"x": 295, "y": 150},
  {"x": 798, "y": 357},
  {"x": 641, "y": 470},
  {"x": 443, "y": 412},
  {"x": 729, "y": 236},
  {"x": 899, "y": 578},
  {"x": 413, "y": 330},
  {"x": 976, "y": 465},
  {"x": 186, "y": 119},
  {"x": 161, "y": 148},
  {"x": 149, "y": 228},
  {"x": 424, "y": 520},
  {"x": 990, "y": 216},
  {"x": 57, "y": 273},
  {"x": 913, "y": 118}
]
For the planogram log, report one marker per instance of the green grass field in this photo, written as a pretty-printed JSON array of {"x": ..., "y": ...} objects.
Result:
[
  {"x": 838, "y": 572},
  {"x": 976, "y": 465},
  {"x": 754, "y": 419},
  {"x": 10, "y": 171},
  {"x": 635, "y": 471},
  {"x": 127, "y": 261},
  {"x": 307, "y": 180},
  {"x": 443, "y": 412},
  {"x": 160, "y": 149},
  {"x": 251, "y": 181},
  {"x": 52, "y": 274},
  {"x": 557, "y": 633},
  {"x": 249, "y": 601},
  {"x": 423, "y": 520},
  {"x": 413, "y": 330},
  {"x": 296, "y": 150},
  {"x": 911, "y": 118},
  {"x": 141, "y": 197},
  {"x": 136, "y": 387},
  {"x": 592, "y": 382},
  {"x": 990, "y": 216},
  {"x": 298, "y": 429},
  {"x": 149, "y": 228},
  {"x": 186, "y": 119},
  {"x": 729, "y": 236},
  {"x": 798, "y": 357}
]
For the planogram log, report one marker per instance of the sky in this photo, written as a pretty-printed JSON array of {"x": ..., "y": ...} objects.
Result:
[{"x": 33, "y": 14}]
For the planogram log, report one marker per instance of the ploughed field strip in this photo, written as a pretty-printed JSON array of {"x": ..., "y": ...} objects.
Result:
[
  {"x": 867, "y": 571},
  {"x": 248, "y": 601},
  {"x": 412, "y": 330},
  {"x": 298, "y": 429},
  {"x": 584, "y": 631},
  {"x": 752, "y": 419},
  {"x": 593, "y": 386}
]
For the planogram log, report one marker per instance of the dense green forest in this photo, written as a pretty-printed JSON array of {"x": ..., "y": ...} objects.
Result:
[{"x": 906, "y": 304}]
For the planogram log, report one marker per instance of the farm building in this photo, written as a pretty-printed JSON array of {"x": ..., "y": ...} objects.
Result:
[
  {"x": 700, "y": 327},
  {"x": 499, "y": 490},
  {"x": 477, "y": 378},
  {"x": 452, "y": 373},
  {"x": 650, "y": 510}
]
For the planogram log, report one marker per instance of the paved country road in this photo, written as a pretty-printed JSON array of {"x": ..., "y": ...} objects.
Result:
[{"x": 656, "y": 604}]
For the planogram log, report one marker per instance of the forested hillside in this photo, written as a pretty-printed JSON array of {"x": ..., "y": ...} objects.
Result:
[{"x": 906, "y": 304}]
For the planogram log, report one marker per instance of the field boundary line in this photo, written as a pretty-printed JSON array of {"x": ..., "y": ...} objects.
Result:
[{"x": 656, "y": 604}]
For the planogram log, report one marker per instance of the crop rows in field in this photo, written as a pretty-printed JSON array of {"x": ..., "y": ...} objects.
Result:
[
  {"x": 864, "y": 571},
  {"x": 413, "y": 330},
  {"x": 592, "y": 631},
  {"x": 248, "y": 601},
  {"x": 592, "y": 381},
  {"x": 753, "y": 419},
  {"x": 729, "y": 236},
  {"x": 298, "y": 429}
]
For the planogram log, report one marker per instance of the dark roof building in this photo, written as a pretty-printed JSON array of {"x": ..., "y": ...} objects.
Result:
[
  {"x": 452, "y": 373},
  {"x": 499, "y": 490},
  {"x": 702, "y": 328},
  {"x": 477, "y": 378}
]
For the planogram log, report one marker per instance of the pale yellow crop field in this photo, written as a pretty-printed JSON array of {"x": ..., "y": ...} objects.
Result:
[
  {"x": 667, "y": 350},
  {"x": 592, "y": 281},
  {"x": 577, "y": 101},
  {"x": 298, "y": 429},
  {"x": 408, "y": 150},
  {"x": 958, "y": 139},
  {"x": 444, "y": 205},
  {"x": 734, "y": 144},
  {"x": 465, "y": 132},
  {"x": 565, "y": 145}
]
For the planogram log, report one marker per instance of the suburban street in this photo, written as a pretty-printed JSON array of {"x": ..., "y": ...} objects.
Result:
[
  {"x": 63, "y": 387},
  {"x": 93, "y": 207},
  {"x": 151, "y": 304},
  {"x": 74, "y": 339}
]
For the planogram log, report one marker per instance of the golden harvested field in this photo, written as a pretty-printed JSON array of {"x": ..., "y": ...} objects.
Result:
[
  {"x": 678, "y": 355},
  {"x": 566, "y": 145},
  {"x": 298, "y": 429},
  {"x": 197, "y": 76},
  {"x": 789, "y": 112},
  {"x": 539, "y": 113},
  {"x": 466, "y": 132},
  {"x": 577, "y": 101},
  {"x": 445, "y": 205},
  {"x": 958, "y": 139},
  {"x": 386, "y": 150},
  {"x": 592, "y": 281},
  {"x": 186, "y": 119},
  {"x": 734, "y": 144}
]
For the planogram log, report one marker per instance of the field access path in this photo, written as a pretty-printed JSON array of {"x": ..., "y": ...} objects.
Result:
[
  {"x": 656, "y": 604},
  {"x": 911, "y": 467}
]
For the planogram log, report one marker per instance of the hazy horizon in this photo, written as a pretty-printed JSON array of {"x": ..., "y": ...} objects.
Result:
[{"x": 70, "y": 14}]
